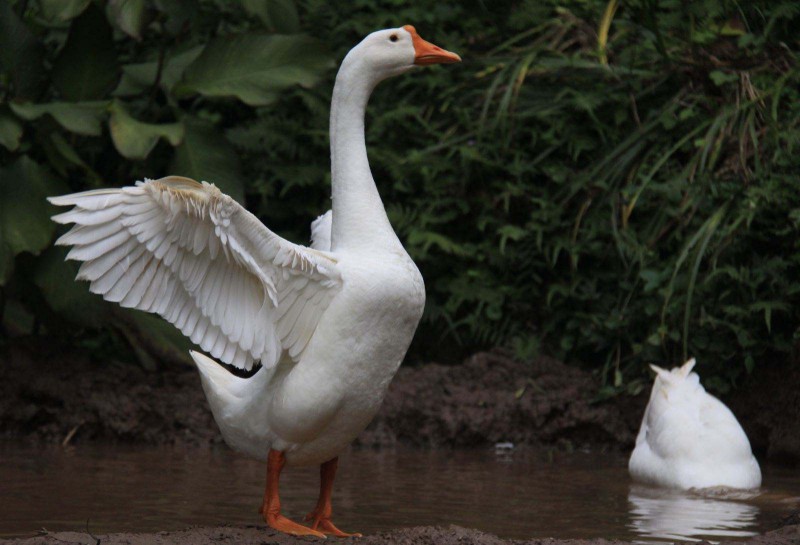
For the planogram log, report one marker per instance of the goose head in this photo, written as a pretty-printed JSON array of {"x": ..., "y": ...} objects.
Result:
[{"x": 393, "y": 51}]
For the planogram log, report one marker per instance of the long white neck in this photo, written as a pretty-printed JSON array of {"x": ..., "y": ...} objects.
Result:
[{"x": 359, "y": 218}]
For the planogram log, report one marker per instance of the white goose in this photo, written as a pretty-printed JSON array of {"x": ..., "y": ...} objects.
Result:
[
  {"x": 689, "y": 438},
  {"x": 329, "y": 324}
]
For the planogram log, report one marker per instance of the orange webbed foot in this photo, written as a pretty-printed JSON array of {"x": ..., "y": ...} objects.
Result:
[
  {"x": 271, "y": 506},
  {"x": 327, "y": 527},
  {"x": 282, "y": 524}
]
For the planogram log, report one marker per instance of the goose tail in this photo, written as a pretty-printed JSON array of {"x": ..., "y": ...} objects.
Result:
[
  {"x": 217, "y": 380},
  {"x": 239, "y": 405}
]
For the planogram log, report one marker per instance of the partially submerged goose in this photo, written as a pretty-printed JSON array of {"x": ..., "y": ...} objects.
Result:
[
  {"x": 690, "y": 439},
  {"x": 328, "y": 324}
]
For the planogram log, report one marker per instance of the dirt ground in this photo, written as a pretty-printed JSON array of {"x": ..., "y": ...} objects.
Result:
[
  {"x": 492, "y": 398},
  {"x": 54, "y": 394},
  {"x": 768, "y": 406},
  {"x": 425, "y": 535}
]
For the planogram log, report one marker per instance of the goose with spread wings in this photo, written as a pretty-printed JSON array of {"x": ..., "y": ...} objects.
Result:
[{"x": 327, "y": 326}]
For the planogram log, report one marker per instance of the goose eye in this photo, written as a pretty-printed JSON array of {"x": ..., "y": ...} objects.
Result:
[{"x": 393, "y": 38}]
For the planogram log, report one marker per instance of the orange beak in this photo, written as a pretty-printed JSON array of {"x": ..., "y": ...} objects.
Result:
[{"x": 426, "y": 53}]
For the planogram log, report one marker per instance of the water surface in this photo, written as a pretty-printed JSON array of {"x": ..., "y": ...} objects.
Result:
[{"x": 519, "y": 495}]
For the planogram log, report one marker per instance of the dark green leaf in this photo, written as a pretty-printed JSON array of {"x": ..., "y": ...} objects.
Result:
[
  {"x": 129, "y": 16},
  {"x": 6, "y": 263},
  {"x": 86, "y": 68},
  {"x": 55, "y": 277},
  {"x": 79, "y": 117},
  {"x": 153, "y": 339},
  {"x": 61, "y": 11},
  {"x": 10, "y": 130},
  {"x": 139, "y": 78},
  {"x": 179, "y": 14},
  {"x": 21, "y": 54},
  {"x": 720, "y": 78},
  {"x": 70, "y": 158},
  {"x": 278, "y": 15},
  {"x": 134, "y": 139},
  {"x": 255, "y": 67},
  {"x": 205, "y": 155},
  {"x": 25, "y": 224}
]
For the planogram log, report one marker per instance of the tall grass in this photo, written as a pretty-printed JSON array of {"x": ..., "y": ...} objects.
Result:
[{"x": 653, "y": 161}]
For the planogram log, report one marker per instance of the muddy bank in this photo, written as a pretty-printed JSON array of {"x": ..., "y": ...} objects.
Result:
[
  {"x": 768, "y": 406},
  {"x": 492, "y": 398},
  {"x": 54, "y": 394},
  {"x": 426, "y": 535}
]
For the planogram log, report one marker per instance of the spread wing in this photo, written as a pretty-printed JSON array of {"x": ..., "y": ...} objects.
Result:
[{"x": 190, "y": 253}]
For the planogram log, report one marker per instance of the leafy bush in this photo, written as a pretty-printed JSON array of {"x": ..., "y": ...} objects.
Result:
[
  {"x": 610, "y": 183},
  {"x": 653, "y": 196},
  {"x": 104, "y": 93},
  {"x": 675, "y": 183}
]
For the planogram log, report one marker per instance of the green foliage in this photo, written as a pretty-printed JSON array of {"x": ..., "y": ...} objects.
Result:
[
  {"x": 84, "y": 118},
  {"x": 278, "y": 15},
  {"x": 96, "y": 93},
  {"x": 610, "y": 207},
  {"x": 254, "y": 68},
  {"x": 612, "y": 183},
  {"x": 134, "y": 139},
  {"x": 86, "y": 68},
  {"x": 657, "y": 177},
  {"x": 24, "y": 186}
]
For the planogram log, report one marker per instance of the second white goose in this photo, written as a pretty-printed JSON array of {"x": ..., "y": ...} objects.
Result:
[{"x": 689, "y": 438}]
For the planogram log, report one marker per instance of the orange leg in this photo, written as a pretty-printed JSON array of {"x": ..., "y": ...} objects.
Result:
[
  {"x": 321, "y": 515},
  {"x": 271, "y": 507}
]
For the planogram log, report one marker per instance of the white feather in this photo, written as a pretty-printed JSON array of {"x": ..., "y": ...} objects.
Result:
[
  {"x": 690, "y": 439},
  {"x": 321, "y": 232},
  {"x": 156, "y": 246}
]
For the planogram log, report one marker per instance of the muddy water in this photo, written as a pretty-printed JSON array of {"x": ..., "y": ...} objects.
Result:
[{"x": 519, "y": 495}]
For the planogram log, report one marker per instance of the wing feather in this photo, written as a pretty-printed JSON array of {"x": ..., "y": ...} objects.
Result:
[{"x": 191, "y": 254}]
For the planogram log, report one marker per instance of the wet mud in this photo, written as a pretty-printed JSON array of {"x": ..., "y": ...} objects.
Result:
[
  {"x": 492, "y": 398},
  {"x": 55, "y": 394},
  {"x": 425, "y": 535}
]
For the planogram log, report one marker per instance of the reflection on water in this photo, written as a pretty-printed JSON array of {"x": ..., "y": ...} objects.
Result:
[
  {"x": 515, "y": 494},
  {"x": 673, "y": 515}
]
